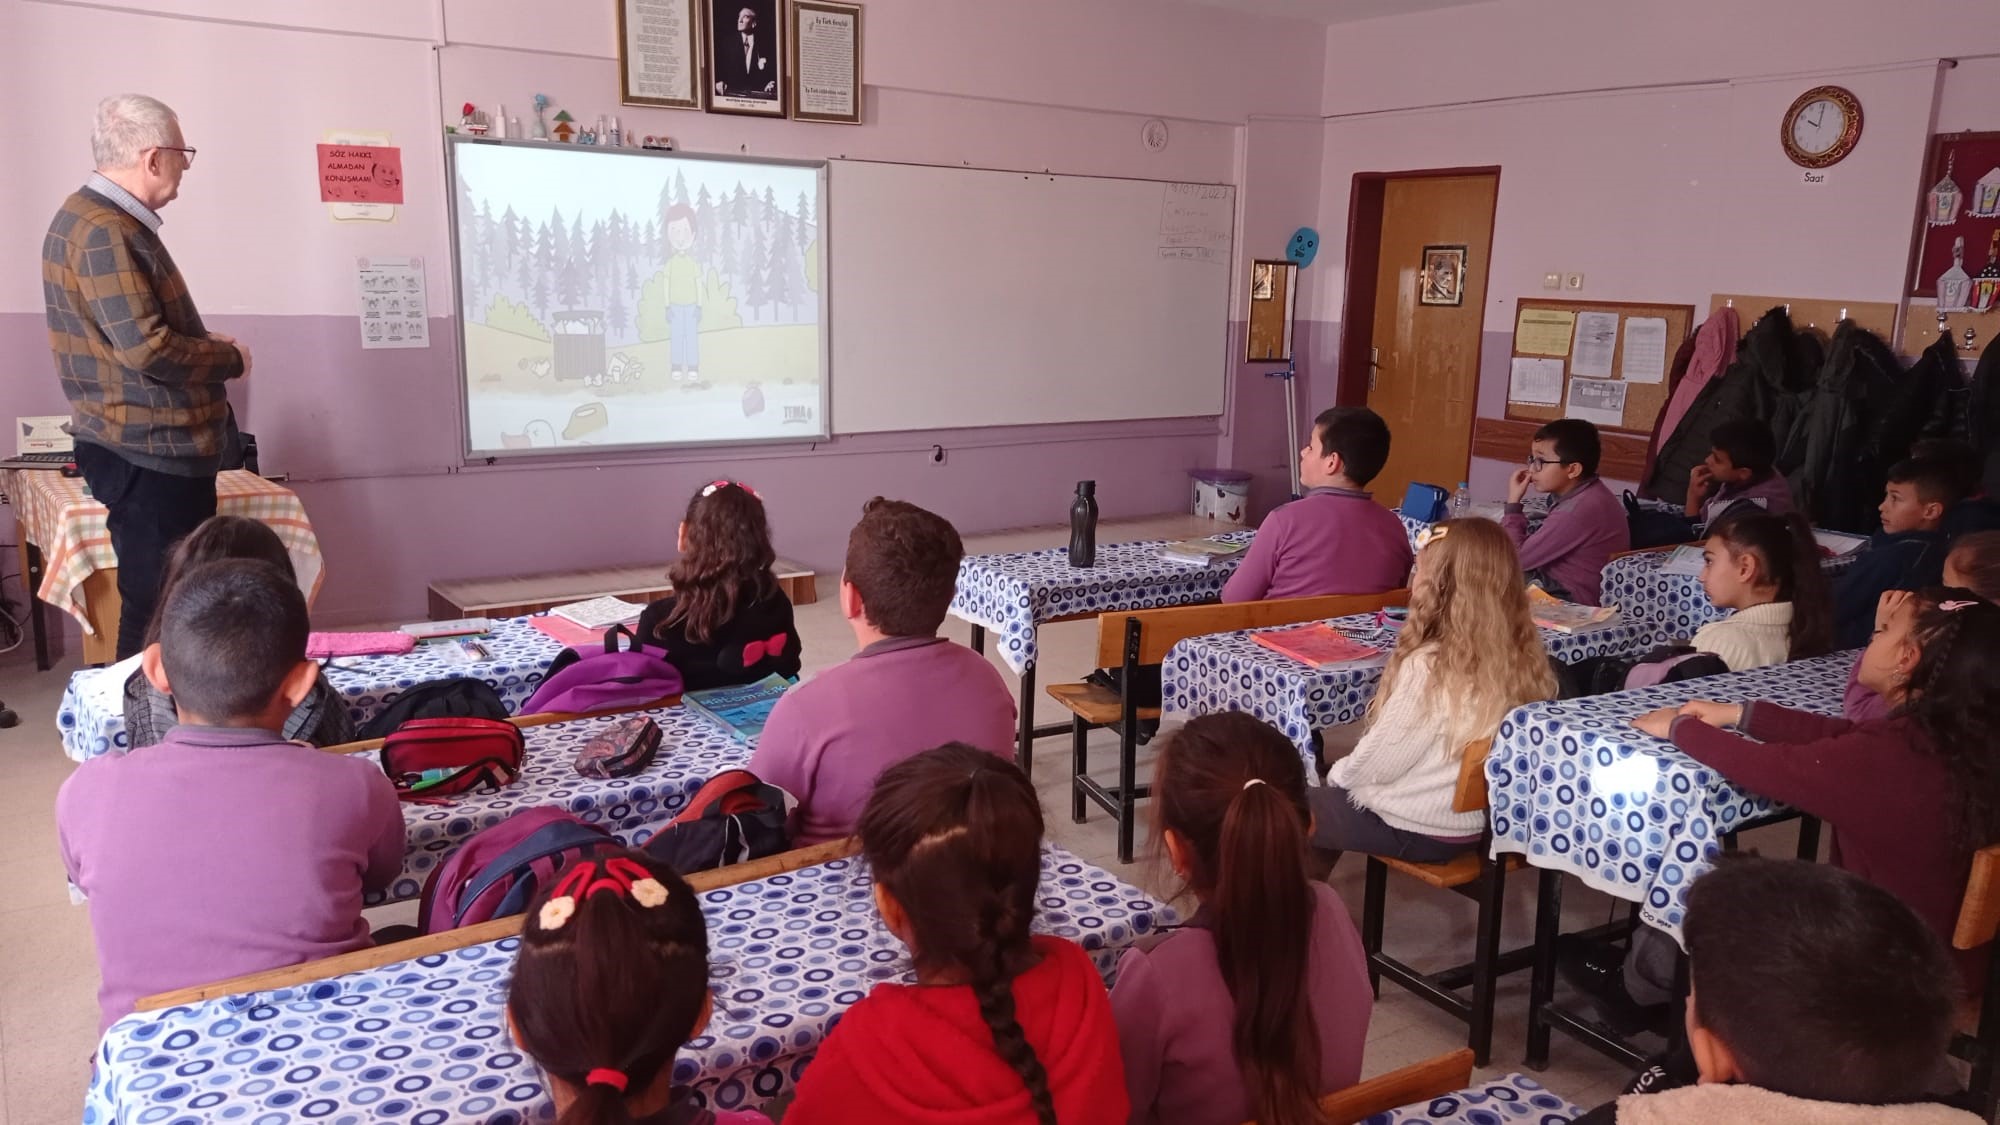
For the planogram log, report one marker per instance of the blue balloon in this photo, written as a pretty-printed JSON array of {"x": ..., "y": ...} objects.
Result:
[{"x": 1304, "y": 246}]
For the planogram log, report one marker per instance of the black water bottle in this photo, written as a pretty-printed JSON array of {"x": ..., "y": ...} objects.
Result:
[{"x": 1083, "y": 525}]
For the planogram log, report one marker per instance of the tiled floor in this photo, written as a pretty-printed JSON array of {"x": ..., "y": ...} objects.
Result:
[{"x": 48, "y": 975}]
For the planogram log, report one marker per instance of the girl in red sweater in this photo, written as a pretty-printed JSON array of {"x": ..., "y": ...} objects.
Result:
[
  {"x": 611, "y": 979},
  {"x": 1001, "y": 1028},
  {"x": 1909, "y": 796}
]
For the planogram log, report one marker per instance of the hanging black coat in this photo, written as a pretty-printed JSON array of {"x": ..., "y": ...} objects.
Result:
[
  {"x": 1752, "y": 387},
  {"x": 1982, "y": 414},
  {"x": 1832, "y": 455}
]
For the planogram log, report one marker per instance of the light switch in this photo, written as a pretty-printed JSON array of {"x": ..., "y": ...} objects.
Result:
[
  {"x": 1573, "y": 281},
  {"x": 1552, "y": 281}
]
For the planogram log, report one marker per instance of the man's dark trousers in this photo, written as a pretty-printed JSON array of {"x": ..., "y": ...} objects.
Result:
[{"x": 150, "y": 512}]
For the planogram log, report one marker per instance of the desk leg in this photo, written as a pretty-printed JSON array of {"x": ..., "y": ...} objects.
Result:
[
  {"x": 1542, "y": 984},
  {"x": 1024, "y": 748},
  {"x": 979, "y": 639},
  {"x": 31, "y": 580},
  {"x": 1809, "y": 839}
]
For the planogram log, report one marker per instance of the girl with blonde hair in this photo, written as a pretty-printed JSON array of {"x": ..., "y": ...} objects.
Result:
[{"x": 1468, "y": 655}]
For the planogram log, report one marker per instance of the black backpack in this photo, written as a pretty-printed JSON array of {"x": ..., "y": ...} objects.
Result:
[
  {"x": 459, "y": 697},
  {"x": 733, "y": 818}
]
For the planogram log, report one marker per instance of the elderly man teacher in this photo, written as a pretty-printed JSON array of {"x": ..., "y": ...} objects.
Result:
[{"x": 144, "y": 378}]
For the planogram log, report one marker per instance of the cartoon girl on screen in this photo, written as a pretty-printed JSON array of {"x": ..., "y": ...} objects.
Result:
[{"x": 683, "y": 298}]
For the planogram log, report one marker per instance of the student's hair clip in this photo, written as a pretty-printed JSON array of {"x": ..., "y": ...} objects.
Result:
[
  {"x": 618, "y": 875},
  {"x": 1431, "y": 534},
  {"x": 1252, "y": 781},
  {"x": 715, "y": 486},
  {"x": 1955, "y": 606}
]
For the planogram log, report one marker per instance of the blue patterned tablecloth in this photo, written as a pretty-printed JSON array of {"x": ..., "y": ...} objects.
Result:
[
  {"x": 692, "y": 750},
  {"x": 1576, "y": 788},
  {"x": 91, "y": 717},
  {"x": 1232, "y": 672},
  {"x": 423, "y": 1041},
  {"x": 1675, "y": 603},
  {"x": 1013, "y": 594},
  {"x": 1510, "y": 1097}
]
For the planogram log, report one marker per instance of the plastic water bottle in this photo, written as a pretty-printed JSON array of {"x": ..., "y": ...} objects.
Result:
[
  {"x": 1461, "y": 502},
  {"x": 1083, "y": 525}
]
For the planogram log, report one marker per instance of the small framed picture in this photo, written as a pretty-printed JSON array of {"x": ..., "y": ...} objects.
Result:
[
  {"x": 659, "y": 53},
  {"x": 745, "y": 56},
  {"x": 825, "y": 61},
  {"x": 1274, "y": 301},
  {"x": 1441, "y": 281},
  {"x": 1260, "y": 281}
]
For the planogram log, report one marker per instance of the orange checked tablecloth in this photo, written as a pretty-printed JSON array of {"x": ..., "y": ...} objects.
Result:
[{"x": 59, "y": 516}]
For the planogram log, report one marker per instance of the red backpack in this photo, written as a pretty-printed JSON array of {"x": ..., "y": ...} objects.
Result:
[{"x": 428, "y": 758}]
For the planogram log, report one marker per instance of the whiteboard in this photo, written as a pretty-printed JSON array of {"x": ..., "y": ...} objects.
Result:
[{"x": 968, "y": 297}]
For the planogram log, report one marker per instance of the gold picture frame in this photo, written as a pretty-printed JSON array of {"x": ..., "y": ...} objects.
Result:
[
  {"x": 653, "y": 88},
  {"x": 824, "y": 42}
]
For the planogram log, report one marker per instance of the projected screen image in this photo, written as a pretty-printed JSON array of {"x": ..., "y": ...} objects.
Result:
[{"x": 613, "y": 298}]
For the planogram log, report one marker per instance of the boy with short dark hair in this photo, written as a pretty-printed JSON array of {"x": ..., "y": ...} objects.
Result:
[
  {"x": 1336, "y": 539},
  {"x": 908, "y": 689},
  {"x": 1907, "y": 554},
  {"x": 1586, "y": 525},
  {"x": 1817, "y": 997},
  {"x": 224, "y": 849},
  {"x": 1739, "y": 470}
]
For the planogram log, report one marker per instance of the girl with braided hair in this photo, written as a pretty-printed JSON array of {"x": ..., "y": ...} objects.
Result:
[
  {"x": 1001, "y": 1027},
  {"x": 610, "y": 981},
  {"x": 1909, "y": 796},
  {"x": 1260, "y": 1005}
]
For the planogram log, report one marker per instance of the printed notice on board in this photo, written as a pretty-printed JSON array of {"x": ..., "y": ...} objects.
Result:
[
  {"x": 1596, "y": 339},
  {"x": 1196, "y": 221},
  {"x": 1535, "y": 382},
  {"x": 360, "y": 174},
  {"x": 1645, "y": 350},
  {"x": 1598, "y": 401},
  {"x": 1544, "y": 331},
  {"x": 392, "y": 303}
]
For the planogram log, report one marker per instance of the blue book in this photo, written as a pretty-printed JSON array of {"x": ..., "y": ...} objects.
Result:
[{"x": 741, "y": 710}]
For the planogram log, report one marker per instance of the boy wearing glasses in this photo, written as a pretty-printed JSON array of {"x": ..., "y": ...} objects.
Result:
[{"x": 1586, "y": 524}]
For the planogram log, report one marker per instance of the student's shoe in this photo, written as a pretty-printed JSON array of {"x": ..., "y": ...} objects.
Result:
[{"x": 1596, "y": 970}]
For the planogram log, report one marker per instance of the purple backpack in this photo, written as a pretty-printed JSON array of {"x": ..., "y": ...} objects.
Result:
[
  {"x": 498, "y": 869},
  {"x": 606, "y": 681}
]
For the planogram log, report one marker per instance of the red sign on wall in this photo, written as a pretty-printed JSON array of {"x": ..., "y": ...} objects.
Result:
[{"x": 360, "y": 174}]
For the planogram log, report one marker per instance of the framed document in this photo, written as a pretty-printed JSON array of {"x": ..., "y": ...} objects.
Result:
[
  {"x": 746, "y": 58},
  {"x": 826, "y": 61},
  {"x": 659, "y": 53}
]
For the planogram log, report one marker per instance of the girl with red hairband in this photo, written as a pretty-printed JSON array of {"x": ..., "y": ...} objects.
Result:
[
  {"x": 611, "y": 980},
  {"x": 726, "y": 622}
]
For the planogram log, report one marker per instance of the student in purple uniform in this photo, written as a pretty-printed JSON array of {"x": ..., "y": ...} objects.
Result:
[
  {"x": 224, "y": 849},
  {"x": 1260, "y": 1004},
  {"x": 1739, "y": 470},
  {"x": 1337, "y": 539},
  {"x": 1586, "y": 525},
  {"x": 611, "y": 980},
  {"x": 907, "y": 690}
]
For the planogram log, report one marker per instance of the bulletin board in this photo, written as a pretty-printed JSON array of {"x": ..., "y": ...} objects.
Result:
[{"x": 1554, "y": 340}]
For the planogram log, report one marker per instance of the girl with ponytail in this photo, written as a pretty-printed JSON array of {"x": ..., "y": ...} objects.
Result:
[
  {"x": 1260, "y": 1005},
  {"x": 1765, "y": 570},
  {"x": 610, "y": 981},
  {"x": 1001, "y": 1027}
]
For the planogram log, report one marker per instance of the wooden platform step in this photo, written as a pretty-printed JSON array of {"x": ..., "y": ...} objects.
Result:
[{"x": 534, "y": 593}]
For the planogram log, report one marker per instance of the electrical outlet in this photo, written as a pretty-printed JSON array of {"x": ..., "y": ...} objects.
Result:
[
  {"x": 1573, "y": 281},
  {"x": 1552, "y": 281}
]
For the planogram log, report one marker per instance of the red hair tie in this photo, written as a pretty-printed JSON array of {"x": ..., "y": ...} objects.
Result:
[{"x": 605, "y": 1076}]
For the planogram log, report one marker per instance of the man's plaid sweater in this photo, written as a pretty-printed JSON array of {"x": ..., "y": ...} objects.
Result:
[{"x": 140, "y": 372}]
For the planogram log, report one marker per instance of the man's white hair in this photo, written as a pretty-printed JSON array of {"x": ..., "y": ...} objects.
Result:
[{"x": 127, "y": 125}]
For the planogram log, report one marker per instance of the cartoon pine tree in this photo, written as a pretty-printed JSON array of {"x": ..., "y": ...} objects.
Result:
[
  {"x": 758, "y": 292},
  {"x": 779, "y": 267},
  {"x": 803, "y": 228}
]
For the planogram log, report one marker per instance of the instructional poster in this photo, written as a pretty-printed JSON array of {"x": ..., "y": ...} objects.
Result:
[
  {"x": 392, "y": 303},
  {"x": 1535, "y": 382},
  {"x": 1596, "y": 340},
  {"x": 1544, "y": 331},
  {"x": 1598, "y": 401},
  {"x": 1645, "y": 359}
]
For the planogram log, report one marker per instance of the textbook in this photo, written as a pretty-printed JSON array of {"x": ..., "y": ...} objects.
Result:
[
  {"x": 741, "y": 710},
  {"x": 1551, "y": 612},
  {"x": 463, "y": 627},
  {"x": 1319, "y": 645},
  {"x": 599, "y": 613},
  {"x": 1201, "y": 552},
  {"x": 1686, "y": 561},
  {"x": 1839, "y": 544}
]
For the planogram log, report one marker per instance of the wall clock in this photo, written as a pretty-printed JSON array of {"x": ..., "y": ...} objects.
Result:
[{"x": 1822, "y": 127}]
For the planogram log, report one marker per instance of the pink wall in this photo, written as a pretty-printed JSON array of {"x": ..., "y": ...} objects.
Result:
[
  {"x": 1639, "y": 147},
  {"x": 371, "y": 437}
]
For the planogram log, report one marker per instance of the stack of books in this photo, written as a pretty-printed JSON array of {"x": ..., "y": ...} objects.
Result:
[
  {"x": 1319, "y": 645},
  {"x": 1201, "y": 552}
]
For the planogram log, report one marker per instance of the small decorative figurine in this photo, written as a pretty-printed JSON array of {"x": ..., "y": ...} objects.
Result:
[
  {"x": 541, "y": 126},
  {"x": 471, "y": 120},
  {"x": 565, "y": 130}
]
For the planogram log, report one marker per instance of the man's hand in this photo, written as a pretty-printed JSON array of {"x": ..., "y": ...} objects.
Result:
[
  {"x": 722, "y": 88},
  {"x": 1700, "y": 483},
  {"x": 771, "y": 87},
  {"x": 1517, "y": 486}
]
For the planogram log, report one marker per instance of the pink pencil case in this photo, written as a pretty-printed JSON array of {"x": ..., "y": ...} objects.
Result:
[{"x": 320, "y": 646}]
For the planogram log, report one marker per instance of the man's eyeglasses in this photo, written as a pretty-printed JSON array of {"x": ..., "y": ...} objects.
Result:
[
  {"x": 1537, "y": 464},
  {"x": 187, "y": 154}
]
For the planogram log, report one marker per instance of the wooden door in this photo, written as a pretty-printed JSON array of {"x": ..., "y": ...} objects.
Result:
[{"x": 1425, "y": 381}]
